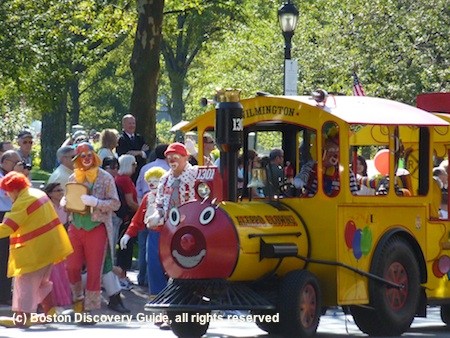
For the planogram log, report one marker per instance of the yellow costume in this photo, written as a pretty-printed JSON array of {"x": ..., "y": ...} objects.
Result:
[{"x": 37, "y": 237}]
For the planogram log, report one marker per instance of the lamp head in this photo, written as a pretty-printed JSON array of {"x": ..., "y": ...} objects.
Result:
[{"x": 288, "y": 17}]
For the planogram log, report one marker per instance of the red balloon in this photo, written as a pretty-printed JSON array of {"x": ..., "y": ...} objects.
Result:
[
  {"x": 438, "y": 273},
  {"x": 350, "y": 229},
  {"x": 381, "y": 161}
]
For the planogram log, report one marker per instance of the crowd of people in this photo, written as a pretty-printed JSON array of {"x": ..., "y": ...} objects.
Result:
[{"x": 102, "y": 196}]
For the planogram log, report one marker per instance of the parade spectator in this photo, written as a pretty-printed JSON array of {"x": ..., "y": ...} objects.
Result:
[
  {"x": 91, "y": 232},
  {"x": 25, "y": 142},
  {"x": 4, "y": 146},
  {"x": 361, "y": 171},
  {"x": 440, "y": 175},
  {"x": 111, "y": 165},
  {"x": 61, "y": 293},
  {"x": 127, "y": 167},
  {"x": 31, "y": 236},
  {"x": 65, "y": 169},
  {"x": 208, "y": 146},
  {"x": 8, "y": 162},
  {"x": 142, "y": 188},
  {"x": 275, "y": 172},
  {"x": 108, "y": 143},
  {"x": 132, "y": 144}
]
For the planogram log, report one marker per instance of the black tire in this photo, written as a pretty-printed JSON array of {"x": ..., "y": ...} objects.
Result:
[
  {"x": 189, "y": 329},
  {"x": 393, "y": 309},
  {"x": 299, "y": 304},
  {"x": 269, "y": 327},
  {"x": 445, "y": 314},
  {"x": 363, "y": 318}
]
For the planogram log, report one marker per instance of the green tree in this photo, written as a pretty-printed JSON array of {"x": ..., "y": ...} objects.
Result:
[{"x": 58, "y": 41}]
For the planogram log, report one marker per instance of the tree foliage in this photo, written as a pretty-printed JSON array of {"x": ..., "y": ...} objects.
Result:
[{"x": 64, "y": 57}]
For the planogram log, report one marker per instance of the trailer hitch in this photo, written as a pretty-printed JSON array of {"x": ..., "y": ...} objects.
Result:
[{"x": 351, "y": 268}]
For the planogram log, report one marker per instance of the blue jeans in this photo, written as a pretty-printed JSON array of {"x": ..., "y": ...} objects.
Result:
[
  {"x": 142, "y": 257},
  {"x": 157, "y": 279}
]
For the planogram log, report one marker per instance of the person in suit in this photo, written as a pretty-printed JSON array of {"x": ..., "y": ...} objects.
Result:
[{"x": 132, "y": 143}]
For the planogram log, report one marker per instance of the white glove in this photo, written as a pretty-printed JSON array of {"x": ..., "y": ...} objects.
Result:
[
  {"x": 63, "y": 201},
  {"x": 154, "y": 219},
  {"x": 124, "y": 241},
  {"x": 89, "y": 200}
]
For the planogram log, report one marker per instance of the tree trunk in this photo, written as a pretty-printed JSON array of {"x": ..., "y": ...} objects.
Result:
[
  {"x": 53, "y": 133},
  {"x": 177, "y": 87},
  {"x": 145, "y": 67},
  {"x": 75, "y": 99}
]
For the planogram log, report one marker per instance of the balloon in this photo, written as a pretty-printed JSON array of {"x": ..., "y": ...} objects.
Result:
[
  {"x": 381, "y": 161},
  {"x": 444, "y": 264},
  {"x": 366, "y": 241},
  {"x": 356, "y": 244},
  {"x": 438, "y": 273},
  {"x": 350, "y": 229}
]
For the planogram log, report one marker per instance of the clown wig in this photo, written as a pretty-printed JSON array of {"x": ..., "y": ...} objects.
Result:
[
  {"x": 154, "y": 172},
  {"x": 14, "y": 181}
]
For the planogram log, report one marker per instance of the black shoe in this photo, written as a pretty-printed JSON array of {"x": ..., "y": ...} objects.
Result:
[{"x": 115, "y": 304}]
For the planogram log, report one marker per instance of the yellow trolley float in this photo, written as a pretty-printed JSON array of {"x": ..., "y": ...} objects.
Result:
[{"x": 289, "y": 251}]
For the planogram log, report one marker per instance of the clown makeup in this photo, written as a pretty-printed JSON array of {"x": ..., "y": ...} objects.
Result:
[
  {"x": 153, "y": 183},
  {"x": 176, "y": 162},
  {"x": 331, "y": 155},
  {"x": 87, "y": 159}
]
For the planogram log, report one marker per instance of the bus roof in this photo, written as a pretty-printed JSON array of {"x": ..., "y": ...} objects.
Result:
[
  {"x": 374, "y": 110},
  {"x": 350, "y": 109}
]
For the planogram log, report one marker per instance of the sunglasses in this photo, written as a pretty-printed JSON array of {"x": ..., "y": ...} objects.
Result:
[{"x": 27, "y": 142}]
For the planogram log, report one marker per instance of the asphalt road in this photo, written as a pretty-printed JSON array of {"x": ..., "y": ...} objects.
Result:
[{"x": 334, "y": 324}]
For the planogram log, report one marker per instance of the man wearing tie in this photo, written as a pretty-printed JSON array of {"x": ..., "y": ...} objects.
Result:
[{"x": 132, "y": 144}]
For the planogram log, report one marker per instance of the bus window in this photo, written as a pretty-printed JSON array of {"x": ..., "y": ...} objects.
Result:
[
  {"x": 330, "y": 159},
  {"x": 306, "y": 179}
]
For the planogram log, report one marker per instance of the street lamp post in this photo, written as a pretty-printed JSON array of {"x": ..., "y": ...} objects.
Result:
[{"x": 288, "y": 17}]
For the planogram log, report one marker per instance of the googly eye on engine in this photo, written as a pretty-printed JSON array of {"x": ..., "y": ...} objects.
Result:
[
  {"x": 207, "y": 215},
  {"x": 174, "y": 216}
]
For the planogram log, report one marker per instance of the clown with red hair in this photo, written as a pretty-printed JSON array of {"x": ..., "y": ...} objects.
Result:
[
  {"x": 37, "y": 241},
  {"x": 91, "y": 233}
]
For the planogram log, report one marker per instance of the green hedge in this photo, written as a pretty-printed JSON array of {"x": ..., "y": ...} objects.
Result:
[{"x": 39, "y": 175}]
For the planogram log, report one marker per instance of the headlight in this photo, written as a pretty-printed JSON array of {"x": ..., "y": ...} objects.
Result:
[{"x": 203, "y": 190}]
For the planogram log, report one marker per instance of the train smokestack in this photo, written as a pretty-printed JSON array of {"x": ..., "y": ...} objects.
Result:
[{"x": 229, "y": 138}]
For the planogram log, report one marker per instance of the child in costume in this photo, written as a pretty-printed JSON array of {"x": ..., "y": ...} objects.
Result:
[
  {"x": 37, "y": 241},
  {"x": 156, "y": 276}
]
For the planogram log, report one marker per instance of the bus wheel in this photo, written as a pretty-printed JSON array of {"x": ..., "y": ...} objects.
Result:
[
  {"x": 299, "y": 304},
  {"x": 363, "y": 318},
  {"x": 269, "y": 327},
  {"x": 394, "y": 309},
  {"x": 190, "y": 328},
  {"x": 445, "y": 314}
]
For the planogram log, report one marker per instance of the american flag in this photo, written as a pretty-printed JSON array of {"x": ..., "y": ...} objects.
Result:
[{"x": 357, "y": 88}]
